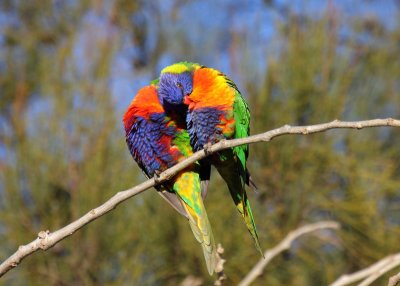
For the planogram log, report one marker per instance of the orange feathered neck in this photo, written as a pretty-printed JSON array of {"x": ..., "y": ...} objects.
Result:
[
  {"x": 210, "y": 89},
  {"x": 144, "y": 104}
]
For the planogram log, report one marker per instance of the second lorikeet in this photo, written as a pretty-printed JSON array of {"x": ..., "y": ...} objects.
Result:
[
  {"x": 216, "y": 111},
  {"x": 158, "y": 141}
]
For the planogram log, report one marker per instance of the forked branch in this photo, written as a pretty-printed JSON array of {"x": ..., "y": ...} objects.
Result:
[
  {"x": 285, "y": 244},
  {"x": 371, "y": 273}
]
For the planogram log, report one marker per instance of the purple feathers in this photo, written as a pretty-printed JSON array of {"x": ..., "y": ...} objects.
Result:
[
  {"x": 173, "y": 87},
  {"x": 147, "y": 141},
  {"x": 201, "y": 123}
]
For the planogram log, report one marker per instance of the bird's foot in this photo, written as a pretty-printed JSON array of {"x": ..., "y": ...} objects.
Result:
[
  {"x": 157, "y": 176},
  {"x": 207, "y": 148}
]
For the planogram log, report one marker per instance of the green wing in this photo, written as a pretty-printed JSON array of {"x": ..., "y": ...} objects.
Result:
[{"x": 241, "y": 114}]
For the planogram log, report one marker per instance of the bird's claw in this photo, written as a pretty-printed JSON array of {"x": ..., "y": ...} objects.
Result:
[
  {"x": 207, "y": 148},
  {"x": 156, "y": 176}
]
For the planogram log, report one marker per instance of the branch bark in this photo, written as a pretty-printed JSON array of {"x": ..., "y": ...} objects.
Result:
[
  {"x": 285, "y": 244},
  {"x": 394, "y": 280},
  {"x": 371, "y": 273},
  {"x": 46, "y": 239},
  {"x": 221, "y": 277}
]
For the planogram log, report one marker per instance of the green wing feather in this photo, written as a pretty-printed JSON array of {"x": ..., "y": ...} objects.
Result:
[{"x": 241, "y": 115}]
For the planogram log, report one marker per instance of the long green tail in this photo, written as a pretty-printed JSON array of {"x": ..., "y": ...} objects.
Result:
[
  {"x": 230, "y": 171},
  {"x": 248, "y": 218},
  {"x": 187, "y": 187}
]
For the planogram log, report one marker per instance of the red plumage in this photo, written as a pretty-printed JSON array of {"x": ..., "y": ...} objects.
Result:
[{"x": 144, "y": 104}]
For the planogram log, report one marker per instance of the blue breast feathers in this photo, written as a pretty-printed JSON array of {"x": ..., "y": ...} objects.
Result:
[
  {"x": 202, "y": 126},
  {"x": 146, "y": 145}
]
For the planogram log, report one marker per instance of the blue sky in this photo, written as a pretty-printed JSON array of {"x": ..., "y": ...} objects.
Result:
[{"x": 209, "y": 29}]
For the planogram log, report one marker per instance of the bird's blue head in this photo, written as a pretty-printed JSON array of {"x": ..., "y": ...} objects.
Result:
[{"x": 176, "y": 81}]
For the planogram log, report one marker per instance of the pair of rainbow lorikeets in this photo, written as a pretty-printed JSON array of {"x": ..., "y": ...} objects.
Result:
[{"x": 188, "y": 108}]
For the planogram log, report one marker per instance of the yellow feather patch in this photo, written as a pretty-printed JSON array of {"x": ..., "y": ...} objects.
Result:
[
  {"x": 176, "y": 68},
  {"x": 187, "y": 185}
]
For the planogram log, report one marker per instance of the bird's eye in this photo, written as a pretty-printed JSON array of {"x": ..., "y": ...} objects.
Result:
[{"x": 178, "y": 84}]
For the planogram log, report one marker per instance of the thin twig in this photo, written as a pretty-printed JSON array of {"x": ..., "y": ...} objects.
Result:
[
  {"x": 371, "y": 273},
  {"x": 285, "y": 244},
  {"x": 46, "y": 239},
  {"x": 221, "y": 277}
]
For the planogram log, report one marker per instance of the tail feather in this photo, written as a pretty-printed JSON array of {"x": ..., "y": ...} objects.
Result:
[
  {"x": 201, "y": 228},
  {"x": 247, "y": 215},
  {"x": 248, "y": 218},
  {"x": 173, "y": 200},
  {"x": 251, "y": 225},
  {"x": 187, "y": 187},
  {"x": 236, "y": 185}
]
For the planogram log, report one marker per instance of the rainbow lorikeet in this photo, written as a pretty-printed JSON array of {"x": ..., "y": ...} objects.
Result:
[
  {"x": 216, "y": 111},
  {"x": 158, "y": 141}
]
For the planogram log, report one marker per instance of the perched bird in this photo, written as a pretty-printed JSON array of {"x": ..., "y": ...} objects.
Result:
[
  {"x": 216, "y": 111},
  {"x": 157, "y": 141}
]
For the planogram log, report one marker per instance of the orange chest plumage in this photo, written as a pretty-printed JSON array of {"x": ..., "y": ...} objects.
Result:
[
  {"x": 210, "y": 90},
  {"x": 211, "y": 107}
]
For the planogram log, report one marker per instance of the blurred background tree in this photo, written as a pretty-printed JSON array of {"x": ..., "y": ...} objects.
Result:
[{"x": 68, "y": 70}]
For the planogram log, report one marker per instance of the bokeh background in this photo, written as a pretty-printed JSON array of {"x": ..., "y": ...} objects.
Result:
[{"x": 68, "y": 70}]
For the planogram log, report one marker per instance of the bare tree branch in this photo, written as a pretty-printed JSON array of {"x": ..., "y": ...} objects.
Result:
[
  {"x": 394, "y": 280},
  {"x": 191, "y": 281},
  {"x": 46, "y": 239},
  {"x": 285, "y": 244},
  {"x": 371, "y": 273}
]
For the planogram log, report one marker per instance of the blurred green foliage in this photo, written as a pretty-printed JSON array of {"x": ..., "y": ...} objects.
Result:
[{"x": 65, "y": 152}]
